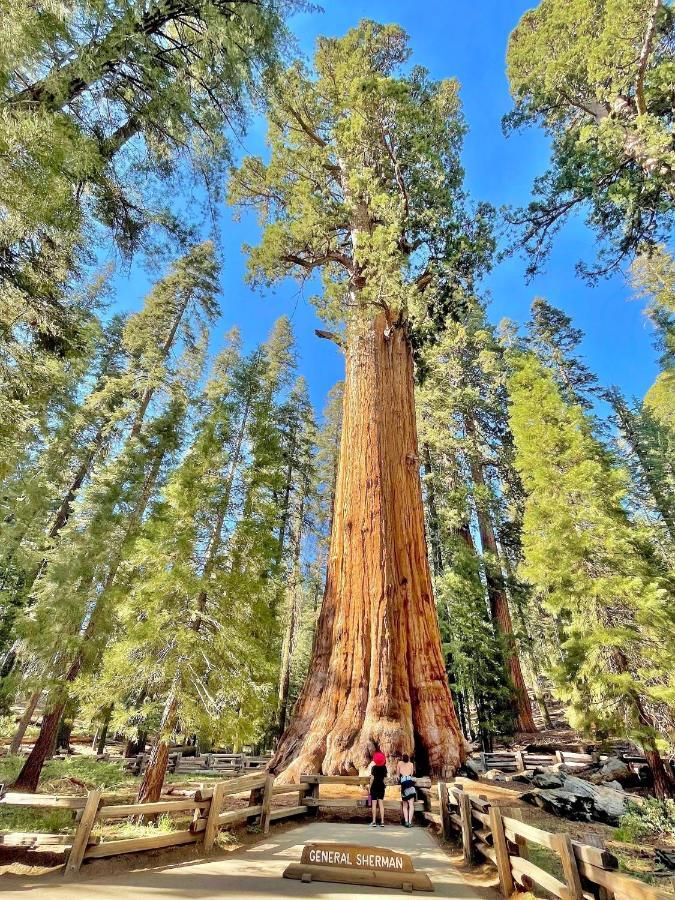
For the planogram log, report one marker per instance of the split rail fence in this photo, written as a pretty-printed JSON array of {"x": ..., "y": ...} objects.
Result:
[
  {"x": 222, "y": 763},
  {"x": 204, "y": 806},
  {"x": 500, "y": 836},
  {"x": 487, "y": 832}
]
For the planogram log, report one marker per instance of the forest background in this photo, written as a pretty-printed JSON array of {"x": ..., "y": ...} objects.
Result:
[{"x": 170, "y": 503}]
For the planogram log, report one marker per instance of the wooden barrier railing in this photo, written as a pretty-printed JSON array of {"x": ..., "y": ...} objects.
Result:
[
  {"x": 314, "y": 801},
  {"x": 500, "y": 836},
  {"x": 204, "y": 806},
  {"x": 520, "y": 761},
  {"x": 223, "y": 763}
]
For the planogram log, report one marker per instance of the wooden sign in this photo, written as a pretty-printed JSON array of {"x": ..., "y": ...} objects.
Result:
[
  {"x": 359, "y": 857},
  {"x": 356, "y": 864}
]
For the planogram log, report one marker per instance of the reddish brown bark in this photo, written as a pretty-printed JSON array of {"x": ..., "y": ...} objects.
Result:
[
  {"x": 44, "y": 746},
  {"x": 150, "y": 788},
  {"x": 377, "y": 677},
  {"x": 663, "y": 783},
  {"x": 499, "y": 603}
]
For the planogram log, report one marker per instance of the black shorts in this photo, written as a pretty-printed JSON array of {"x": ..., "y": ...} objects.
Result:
[{"x": 377, "y": 791}]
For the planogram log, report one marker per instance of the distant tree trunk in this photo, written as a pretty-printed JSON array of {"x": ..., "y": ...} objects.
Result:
[
  {"x": 103, "y": 733},
  {"x": 663, "y": 783},
  {"x": 65, "y": 729},
  {"x": 377, "y": 676},
  {"x": 30, "y": 774},
  {"x": 499, "y": 603},
  {"x": 292, "y": 626},
  {"x": 29, "y": 777},
  {"x": 434, "y": 525},
  {"x": 24, "y": 722},
  {"x": 150, "y": 789},
  {"x": 541, "y": 702},
  {"x": 664, "y": 788}
]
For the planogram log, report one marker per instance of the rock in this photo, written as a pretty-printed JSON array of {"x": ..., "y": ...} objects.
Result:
[
  {"x": 548, "y": 780},
  {"x": 473, "y": 769},
  {"x": 577, "y": 799},
  {"x": 614, "y": 785},
  {"x": 522, "y": 777},
  {"x": 495, "y": 775},
  {"x": 615, "y": 768}
]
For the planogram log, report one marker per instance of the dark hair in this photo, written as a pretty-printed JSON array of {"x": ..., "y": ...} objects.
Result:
[{"x": 405, "y": 758}]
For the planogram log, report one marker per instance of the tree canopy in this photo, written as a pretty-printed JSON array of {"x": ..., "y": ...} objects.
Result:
[{"x": 597, "y": 75}]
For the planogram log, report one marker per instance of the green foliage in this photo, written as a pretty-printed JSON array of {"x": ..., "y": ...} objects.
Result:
[
  {"x": 363, "y": 181},
  {"x": 653, "y": 277},
  {"x": 590, "y": 565},
  {"x": 597, "y": 75},
  {"x": 470, "y": 486},
  {"x": 650, "y": 818}
]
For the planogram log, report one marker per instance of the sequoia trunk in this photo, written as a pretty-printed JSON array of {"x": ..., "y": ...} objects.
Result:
[{"x": 377, "y": 677}]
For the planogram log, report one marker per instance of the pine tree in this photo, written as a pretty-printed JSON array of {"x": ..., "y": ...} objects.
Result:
[
  {"x": 462, "y": 420},
  {"x": 300, "y": 489},
  {"x": 589, "y": 563},
  {"x": 551, "y": 335},
  {"x": 597, "y": 77},
  {"x": 237, "y": 515},
  {"x": 82, "y": 564}
]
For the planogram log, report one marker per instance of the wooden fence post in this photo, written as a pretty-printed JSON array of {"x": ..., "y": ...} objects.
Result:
[
  {"x": 520, "y": 760},
  {"x": 594, "y": 840},
  {"x": 467, "y": 827},
  {"x": 559, "y": 756},
  {"x": 81, "y": 838},
  {"x": 314, "y": 793},
  {"x": 563, "y": 845},
  {"x": 211, "y": 830},
  {"x": 506, "y": 885},
  {"x": 266, "y": 804},
  {"x": 444, "y": 801},
  {"x": 517, "y": 813}
]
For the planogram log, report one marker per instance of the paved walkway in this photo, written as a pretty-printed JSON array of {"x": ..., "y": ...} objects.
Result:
[{"x": 255, "y": 872}]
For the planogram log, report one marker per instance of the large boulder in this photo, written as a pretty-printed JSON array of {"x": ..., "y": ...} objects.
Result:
[
  {"x": 550, "y": 779},
  {"x": 579, "y": 800}
]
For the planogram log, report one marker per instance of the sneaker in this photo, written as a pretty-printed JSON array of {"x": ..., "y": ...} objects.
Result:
[
  {"x": 373, "y": 824},
  {"x": 381, "y": 824}
]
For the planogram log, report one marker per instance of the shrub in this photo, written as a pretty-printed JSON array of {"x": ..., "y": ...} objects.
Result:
[{"x": 650, "y": 818}]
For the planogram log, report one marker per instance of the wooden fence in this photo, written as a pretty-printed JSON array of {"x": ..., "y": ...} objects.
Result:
[
  {"x": 486, "y": 832},
  {"x": 205, "y": 807},
  {"x": 521, "y": 761},
  {"x": 499, "y": 836},
  {"x": 222, "y": 763}
]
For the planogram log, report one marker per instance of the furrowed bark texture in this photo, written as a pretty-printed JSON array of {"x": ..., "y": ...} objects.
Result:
[{"x": 377, "y": 678}]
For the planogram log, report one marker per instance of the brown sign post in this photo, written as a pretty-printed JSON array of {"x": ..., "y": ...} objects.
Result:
[{"x": 356, "y": 864}]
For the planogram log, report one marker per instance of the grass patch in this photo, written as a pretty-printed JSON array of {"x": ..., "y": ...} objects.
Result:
[
  {"x": 545, "y": 859},
  {"x": 124, "y": 828},
  {"x": 24, "y": 818},
  {"x": 63, "y": 776}
]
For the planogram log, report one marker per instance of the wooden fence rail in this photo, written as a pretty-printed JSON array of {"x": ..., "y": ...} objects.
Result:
[
  {"x": 223, "y": 763},
  {"x": 204, "y": 806},
  {"x": 500, "y": 836}
]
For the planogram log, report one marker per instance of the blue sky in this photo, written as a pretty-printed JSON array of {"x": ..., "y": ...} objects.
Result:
[{"x": 467, "y": 41}]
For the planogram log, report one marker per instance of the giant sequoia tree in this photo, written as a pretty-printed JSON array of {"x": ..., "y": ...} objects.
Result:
[{"x": 364, "y": 184}]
